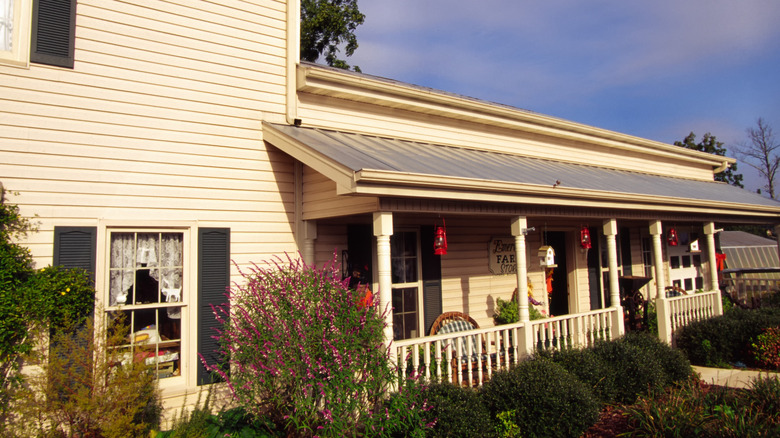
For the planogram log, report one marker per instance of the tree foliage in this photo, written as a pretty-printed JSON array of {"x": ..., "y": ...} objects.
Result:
[
  {"x": 711, "y": 145},
  {"x": 327, "y": 25},
  {"x": 761, "y": 153}
]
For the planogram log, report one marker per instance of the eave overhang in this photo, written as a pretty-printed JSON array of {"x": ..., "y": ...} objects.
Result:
[{"x": 381, "y": 167}]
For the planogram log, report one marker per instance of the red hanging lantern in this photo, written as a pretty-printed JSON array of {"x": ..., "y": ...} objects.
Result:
[
  {"x": 440, "y": 240},
  {"x": 585, "y": 238},
  {"x": 671, "y": 239}
]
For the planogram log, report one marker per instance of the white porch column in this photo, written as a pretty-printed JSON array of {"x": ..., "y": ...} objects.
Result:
[
  {"x": 656, "y": 230},
  {"x": 610, "y": 231},
  {"x": 309, "y": 236},
  {"x": 383, "y": 229},
  {"x": 519, "y": 227},
  {"x": 709, "y": 231},
  {"x": 662, "y": 308}
]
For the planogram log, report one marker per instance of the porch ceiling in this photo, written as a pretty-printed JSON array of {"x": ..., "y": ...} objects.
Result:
[{"x": 376, "y": 166}]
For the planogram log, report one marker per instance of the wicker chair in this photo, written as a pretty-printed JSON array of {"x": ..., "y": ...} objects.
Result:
[{"x": 453, "y": 322}]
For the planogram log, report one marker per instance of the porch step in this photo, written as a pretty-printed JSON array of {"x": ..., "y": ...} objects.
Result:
[{"x": 732, "y": 378}]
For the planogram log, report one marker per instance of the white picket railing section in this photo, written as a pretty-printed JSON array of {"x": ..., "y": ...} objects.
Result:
[
  {"x": 686, "y": 309},
  {"x": 675, "y": 313},
  {"x": 471, "y": 357}
]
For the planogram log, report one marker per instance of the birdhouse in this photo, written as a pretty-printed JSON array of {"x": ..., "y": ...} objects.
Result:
[
  {"x": 694, "y": 247},
  {"x": 547, "y": 257}
]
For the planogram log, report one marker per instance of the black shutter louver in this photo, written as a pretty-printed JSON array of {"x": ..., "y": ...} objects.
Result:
[
  {"x": 213, "y": 281},
  {"x": 431, "y": 274},
  {"x": 53, "y": 32},
  {"x": 74, "y": 247}
]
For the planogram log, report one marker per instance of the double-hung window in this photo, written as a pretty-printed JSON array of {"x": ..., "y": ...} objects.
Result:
[{"x": 148, "y": 287}]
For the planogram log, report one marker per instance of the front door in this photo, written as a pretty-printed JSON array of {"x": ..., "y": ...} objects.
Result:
[{"x": 559, "y": 299}]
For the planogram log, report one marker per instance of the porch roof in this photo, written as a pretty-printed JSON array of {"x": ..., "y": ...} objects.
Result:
[{"x": 379, "y": 166}]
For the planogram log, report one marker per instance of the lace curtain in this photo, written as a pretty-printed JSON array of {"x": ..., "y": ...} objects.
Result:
[
  {"x": 6, "y": 25},
  {"x": 160, "y": 253}
]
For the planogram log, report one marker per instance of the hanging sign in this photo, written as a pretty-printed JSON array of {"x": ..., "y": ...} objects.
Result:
[{"x": 502, "y": 259}]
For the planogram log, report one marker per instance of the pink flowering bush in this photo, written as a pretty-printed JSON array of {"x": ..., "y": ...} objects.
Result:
[{"x": 304, "y": 352}]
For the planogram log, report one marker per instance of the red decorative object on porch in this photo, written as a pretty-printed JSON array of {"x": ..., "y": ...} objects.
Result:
[
  {"x": 585, "y": 238},
  {"x": 440, "y": 240},
  {"x": 720, "y": 259},
  {"x": 672, "y": 238}
]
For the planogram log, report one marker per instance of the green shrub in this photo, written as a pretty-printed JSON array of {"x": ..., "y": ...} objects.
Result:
[
  {"x": 765, "y": 394},
  {"x": 636, "y": 371},
  {"x": 405, "y": 413},
  {"x": 88, "y": 388},
  {"x": 589, "y": 368},
  {"x": 725, "y": 339},
  {"x": 547, "y": 401},
  {"x": 236, "y": 422},
  {"x": 677, "y": 368},
  {"x": 694, "y": 409},
  {"x": 457, "y": 412},
  {"x": 507, "y": 312}
]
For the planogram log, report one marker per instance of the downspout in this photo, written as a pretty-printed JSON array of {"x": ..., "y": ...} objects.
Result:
[{"x": 293, "y": 58}]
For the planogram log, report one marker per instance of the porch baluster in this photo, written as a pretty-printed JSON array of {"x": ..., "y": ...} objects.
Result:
[{"x": 439, "y": 375}]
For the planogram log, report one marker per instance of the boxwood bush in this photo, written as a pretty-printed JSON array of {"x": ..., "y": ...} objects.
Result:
[
  {"x": 677, "y": 368},
  {"x": 543, "y": 398},
  {"x": 589, "y": 368},
  {"x": 456, "y": 412},
  {"x": 725, "y": 339},
  {"x": 636, "y": 370}
]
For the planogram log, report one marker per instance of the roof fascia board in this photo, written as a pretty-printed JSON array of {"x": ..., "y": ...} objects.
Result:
[
  {"x": 324, "y": 81},
  {"x": 336, "y": 172},
  {"x": 389, "y": 184},
  {"x": 558, "y": 202}
]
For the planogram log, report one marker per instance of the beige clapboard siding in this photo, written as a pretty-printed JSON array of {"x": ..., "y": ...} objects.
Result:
[
  {"x": 330, "y": 237},
  {"x": 320, "y": 199},
  {"x": 158, "y": 121},
  {"x": 359, "y": 117}
]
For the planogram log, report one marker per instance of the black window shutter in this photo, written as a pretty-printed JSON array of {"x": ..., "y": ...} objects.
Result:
[
  {"x": 74, "y": 247},
  {"x": 53, "y": 32},
  {"x": 431, "y": 274},
  {"x": 213, "y": 281}
]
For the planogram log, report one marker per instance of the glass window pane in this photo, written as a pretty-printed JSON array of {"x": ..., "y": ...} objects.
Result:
[
  {"x": 410, "y": 299},
  {"x": 699, "y": 283},
  {"x": 688, "y": 284},
  {"x": 411, "y": 270},
  {"x": 697, "y": 260},
  {"x": 398, "y": 327},
  {"x": 410, "y": 325},
  {"x": 410, "y": 244},
  {"x": 6, "y": 25},
  {"x": 398, "y": 300},
  {"x": 122, "y": 250},
  {"x": 675, "y": 262},
  {"x": 686, "y": 261}
]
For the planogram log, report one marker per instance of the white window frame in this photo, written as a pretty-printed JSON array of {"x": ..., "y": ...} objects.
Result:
[
  {"x": 417, "y": 284},
  {"x": 188, "y": 329},
  {"x": 19, "y": 55}
]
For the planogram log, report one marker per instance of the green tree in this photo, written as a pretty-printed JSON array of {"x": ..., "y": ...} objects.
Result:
[
  {"x": 327, "y": 25},
  {"x": 711, "y": 145}
]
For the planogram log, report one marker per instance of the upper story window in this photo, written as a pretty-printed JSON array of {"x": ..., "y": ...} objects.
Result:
[
  {"x": 15, "y": 31},
  {"x": 39, "y": 31}
]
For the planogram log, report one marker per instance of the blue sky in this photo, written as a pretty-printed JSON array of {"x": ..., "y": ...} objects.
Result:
[{"x": 657, "y": 69}]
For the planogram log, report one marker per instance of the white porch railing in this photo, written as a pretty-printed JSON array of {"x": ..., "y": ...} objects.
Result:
[
  {"x": 471, "y": 357},
  {"x": 675, "y": 313}
]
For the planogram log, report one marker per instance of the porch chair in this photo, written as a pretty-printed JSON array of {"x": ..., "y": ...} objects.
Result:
[{"x": 454, "y": 322}]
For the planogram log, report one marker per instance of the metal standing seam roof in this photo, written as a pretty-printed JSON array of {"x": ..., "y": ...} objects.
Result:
[
  {"x": 359, "y": 152},
  {"x": 744, "y": 251}
]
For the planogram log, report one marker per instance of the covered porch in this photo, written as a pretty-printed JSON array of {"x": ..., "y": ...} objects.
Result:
[{"x": 379, "y": 203}]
